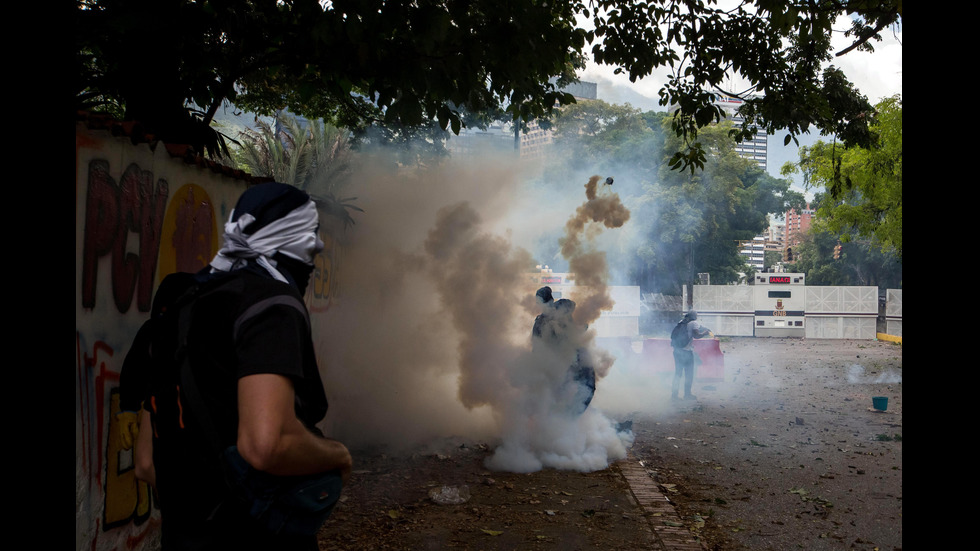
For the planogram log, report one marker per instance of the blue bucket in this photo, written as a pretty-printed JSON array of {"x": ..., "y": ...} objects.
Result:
[{"x": 880, "y": 403}]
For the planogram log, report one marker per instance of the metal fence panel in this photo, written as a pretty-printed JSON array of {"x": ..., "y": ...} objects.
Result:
[
  {"x": 841, "y": 327},
  {"x": 723, "y": 298},
  {"x": 729, "y": 325},
  {"x": 842, "y": 300},
  {"x": 893, "y": 312},
  {"x": 841, "y": 312},
  {"x": 725, "y": 309},
  {"x": 833, "y": 312}
]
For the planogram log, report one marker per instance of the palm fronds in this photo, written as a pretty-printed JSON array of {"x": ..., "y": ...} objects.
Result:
[{"x": 311, "y": 155}]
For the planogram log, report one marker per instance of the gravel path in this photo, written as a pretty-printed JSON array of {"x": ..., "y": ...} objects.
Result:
[{"x": 786, "y": 452}]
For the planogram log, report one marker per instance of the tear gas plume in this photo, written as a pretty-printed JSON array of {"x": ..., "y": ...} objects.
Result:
[
  {"x": 856, "y": 375},
  {"x": 588, "y": 265},
  {"x": 428, "y": 335}
]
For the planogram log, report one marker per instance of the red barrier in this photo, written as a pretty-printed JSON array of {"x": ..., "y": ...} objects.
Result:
[
  {"x": 712, "y": 360},
  {"x": 658, "y": 357},
  {"x": 622, "y": 349},
  {"x": 618, "y": 346}
]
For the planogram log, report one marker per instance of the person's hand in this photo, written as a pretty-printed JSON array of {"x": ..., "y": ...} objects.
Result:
[
  {"x": 343, "y": 458},
  {"x": 129, "y": 428}
]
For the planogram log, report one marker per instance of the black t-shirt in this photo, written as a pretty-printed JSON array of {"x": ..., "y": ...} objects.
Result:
[{"x": 245, "y": 323}]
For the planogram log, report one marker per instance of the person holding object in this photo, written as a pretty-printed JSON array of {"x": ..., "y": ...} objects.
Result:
[
  {"x": 682, "y": 341},
  {"x": 555, "y": 328},
  {"x": 235, "y": 392}
]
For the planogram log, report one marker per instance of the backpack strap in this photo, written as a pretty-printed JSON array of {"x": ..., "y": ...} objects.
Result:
[
  {"x": 262, "y": 305},
  {"x": 188, "y": 382}
]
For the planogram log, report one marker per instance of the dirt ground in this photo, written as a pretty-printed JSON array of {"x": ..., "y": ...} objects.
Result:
[{"x": 785, "y": 452}]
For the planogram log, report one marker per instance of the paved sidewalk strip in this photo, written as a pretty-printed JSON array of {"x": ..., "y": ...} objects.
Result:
[{"x": 669, "y": 533}]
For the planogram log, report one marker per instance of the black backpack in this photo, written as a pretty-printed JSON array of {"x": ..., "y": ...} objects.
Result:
[
  {"x": 293, "y": 505},
  {"x": 186, "y": 466},
  {"x": 680, "y": 337}
]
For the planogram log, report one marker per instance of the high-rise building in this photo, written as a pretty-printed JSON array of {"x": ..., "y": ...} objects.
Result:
[
  {"x": 754, "y": 252},
  {"x": 797, "y": 224},
  {"x": 776, "y": 238},
  {"x": 755, "y": 148}
]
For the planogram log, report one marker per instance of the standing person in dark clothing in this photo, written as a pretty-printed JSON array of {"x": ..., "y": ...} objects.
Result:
[
  {"x": 555, "y": 327},
  {"x": 249, "y": 391},
  {"x": 682, "y": 341},
  {"x": 547, "y": 303},
  {"x": 580, "y": 378}
]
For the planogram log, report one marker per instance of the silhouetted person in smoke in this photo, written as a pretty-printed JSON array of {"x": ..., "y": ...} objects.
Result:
[
  {"x": 554, "y": 327},
  {"x": 682, "y": 341},
  {"x": 547, "y": 302},
  {"x": 581, "y": 374}
]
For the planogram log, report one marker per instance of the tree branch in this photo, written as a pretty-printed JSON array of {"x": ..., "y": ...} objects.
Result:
[{"x": 864, "y": 38}]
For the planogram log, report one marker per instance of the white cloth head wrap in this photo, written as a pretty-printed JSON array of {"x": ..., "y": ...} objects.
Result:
[{"x": 294, "y": 235}]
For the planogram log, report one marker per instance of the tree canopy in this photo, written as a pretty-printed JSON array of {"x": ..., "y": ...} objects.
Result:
[
  {"x": 694, "y": 222},
  {"x": 682, "y": 223},
  {"x": 861, "y": 187},
  {"x": 860, "y": 262},
  {"x": 358, "y": 62}
]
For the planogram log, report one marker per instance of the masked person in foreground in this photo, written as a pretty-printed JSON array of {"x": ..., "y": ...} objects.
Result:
[{"x": 235, "y": 392}]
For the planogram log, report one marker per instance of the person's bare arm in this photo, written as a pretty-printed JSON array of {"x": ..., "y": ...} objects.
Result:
[
  {"x": 143, "y": 450},
  {"x": 272, "y": 439}
]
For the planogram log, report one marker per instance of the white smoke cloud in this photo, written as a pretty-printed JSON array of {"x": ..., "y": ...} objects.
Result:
[
  {"x": 429, "y": 334},
  {"x": 856, "y": 374}
]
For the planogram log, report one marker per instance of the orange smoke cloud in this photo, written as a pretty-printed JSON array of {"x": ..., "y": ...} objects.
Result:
[{"x": 590, "y": 266}]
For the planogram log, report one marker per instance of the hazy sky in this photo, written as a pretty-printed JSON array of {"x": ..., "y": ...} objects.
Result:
[{"x": 877, "y": 75}]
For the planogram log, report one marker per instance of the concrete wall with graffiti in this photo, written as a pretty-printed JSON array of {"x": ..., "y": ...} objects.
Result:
[{"x": 140, "y": 214}]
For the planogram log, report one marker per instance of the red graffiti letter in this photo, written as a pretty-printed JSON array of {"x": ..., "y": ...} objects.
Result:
[
  {"x": 101, "y": 220},
  {"x": 112, "y": 212}
]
